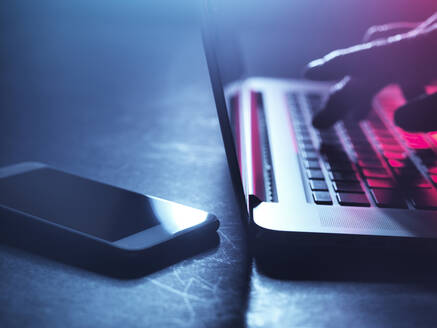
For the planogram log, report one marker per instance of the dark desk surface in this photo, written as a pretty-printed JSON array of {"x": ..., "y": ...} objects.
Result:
[{"x": 120, "y": 93}]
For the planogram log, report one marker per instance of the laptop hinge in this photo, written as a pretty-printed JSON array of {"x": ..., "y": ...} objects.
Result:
[{"x": 253, "y": 202}]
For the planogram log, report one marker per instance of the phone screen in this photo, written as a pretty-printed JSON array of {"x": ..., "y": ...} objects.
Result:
[{"x": 91, "y": 207}]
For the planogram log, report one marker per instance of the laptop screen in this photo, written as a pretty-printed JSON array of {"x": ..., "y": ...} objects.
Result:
[{"x": 225, "y": 70}]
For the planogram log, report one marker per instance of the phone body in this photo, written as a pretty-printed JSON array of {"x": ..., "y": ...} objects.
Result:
[{"x": 42, "y": 205}]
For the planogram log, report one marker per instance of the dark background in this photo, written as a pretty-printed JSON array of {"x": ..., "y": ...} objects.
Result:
[{"x": 118, "y": 91}]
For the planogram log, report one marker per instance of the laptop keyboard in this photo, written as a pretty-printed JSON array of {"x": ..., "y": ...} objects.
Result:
[{"x": 367, "y": 163}]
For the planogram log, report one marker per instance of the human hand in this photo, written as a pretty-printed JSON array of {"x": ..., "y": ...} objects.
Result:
[{"x": 403, "y": 53}]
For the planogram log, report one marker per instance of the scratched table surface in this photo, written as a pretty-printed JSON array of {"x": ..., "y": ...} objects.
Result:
[{"x": 119, "y": 92}]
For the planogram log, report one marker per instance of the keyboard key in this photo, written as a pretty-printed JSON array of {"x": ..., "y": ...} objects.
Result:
[
  {"x": 298, "y": 119},
  {"x": 418, "y": 182},
  {"x": 306, "y": 143},
  {"x": 309, "y": 154},
  {"x": 389, "y": 142},
  {"x": 303, "y": 137},
  {"x": 332, "y": 136},
  {"x": 311, "y": 164},
  {"x": 314, "y": 101},
  {"x": 375, "y": 173},
  {"x": 380, "y": 130},
  {"x": 333, "y": 162},
  {"x": 383, "y": 135},
  {"x": 315, "y": 174},
  {"x": 352, "y": 199},
  {"x": 336, "y": 156},
  {"x": 424, "y": 198},
  {"x": 318, "y": 185},
  {"x": 301, "y": 132},
  {"x": 428, "y": 161},
  {"x": 433, "y": 178},
  {"x": 343, "y": 176},
  {"x": 304, "y": 147},
  {"x": 432, "y": 169},
  {"x": 332, "y": 150},
  {"x": 332, "y": 144},
  {"x": 347, "y": 186},
  {"x": 376, "y": 124},
  {"x": 322, "y": 197},
  {"x": 417, "y": 144},
  {"x": 367, "y": 157},
  {"x": 381, "y": 183},
  {"x": 370, "y": 164},
  {"x": 395, "y": 163},
  {"x": 392, "y": 148},
  {"x": 292, "y": 99},
  {"x": 388, "y": 198},
  {"x": 339, "y": 166},
  {"x": 375, "y": 121},
  {"x": 394, "y": 155},
  {"x": 407, "y": 173},
  {"x": 412, "y": 136},
  {"x": 300, "y": 125},
  {"x": 328, "y": 136}
]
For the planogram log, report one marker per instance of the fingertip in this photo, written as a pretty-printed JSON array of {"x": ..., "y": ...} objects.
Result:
[
  {"x": 316, "y": 63},
  {"x": 316, "y": 122},
  {"x": 408, "y": 119},
  {"x": 412, "y": 91},
  {"x": 324, "y": 69},
  {"x": 401, "y": 117},
  {"x": 314, "y": 69}
]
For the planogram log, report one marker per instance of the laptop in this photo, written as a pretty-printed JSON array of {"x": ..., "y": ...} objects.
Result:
[{"x": 357, "y": 183}]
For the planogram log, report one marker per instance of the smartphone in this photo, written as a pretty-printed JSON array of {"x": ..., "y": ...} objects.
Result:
[{"x": 41, "y": 204}]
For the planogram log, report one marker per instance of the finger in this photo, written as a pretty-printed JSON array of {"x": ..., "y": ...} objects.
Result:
[
  {"x": 386, "y": 30},
  {"x": 348, "y": 97},
  {"x": 356, "y": 61},
  {"x": 415, "y": 89},
  {"x": 406, "y": 55},
  {"x": 418, "y": 115},
  {"x": 335, "y": 107},
  {"x": 412, "y": 90},
  {"x": 428, "y": 22}
]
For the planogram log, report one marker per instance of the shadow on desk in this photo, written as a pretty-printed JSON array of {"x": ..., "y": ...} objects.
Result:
[
  {"x": 349, "y": 264},
  {"x": 126, "y": 268}
]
